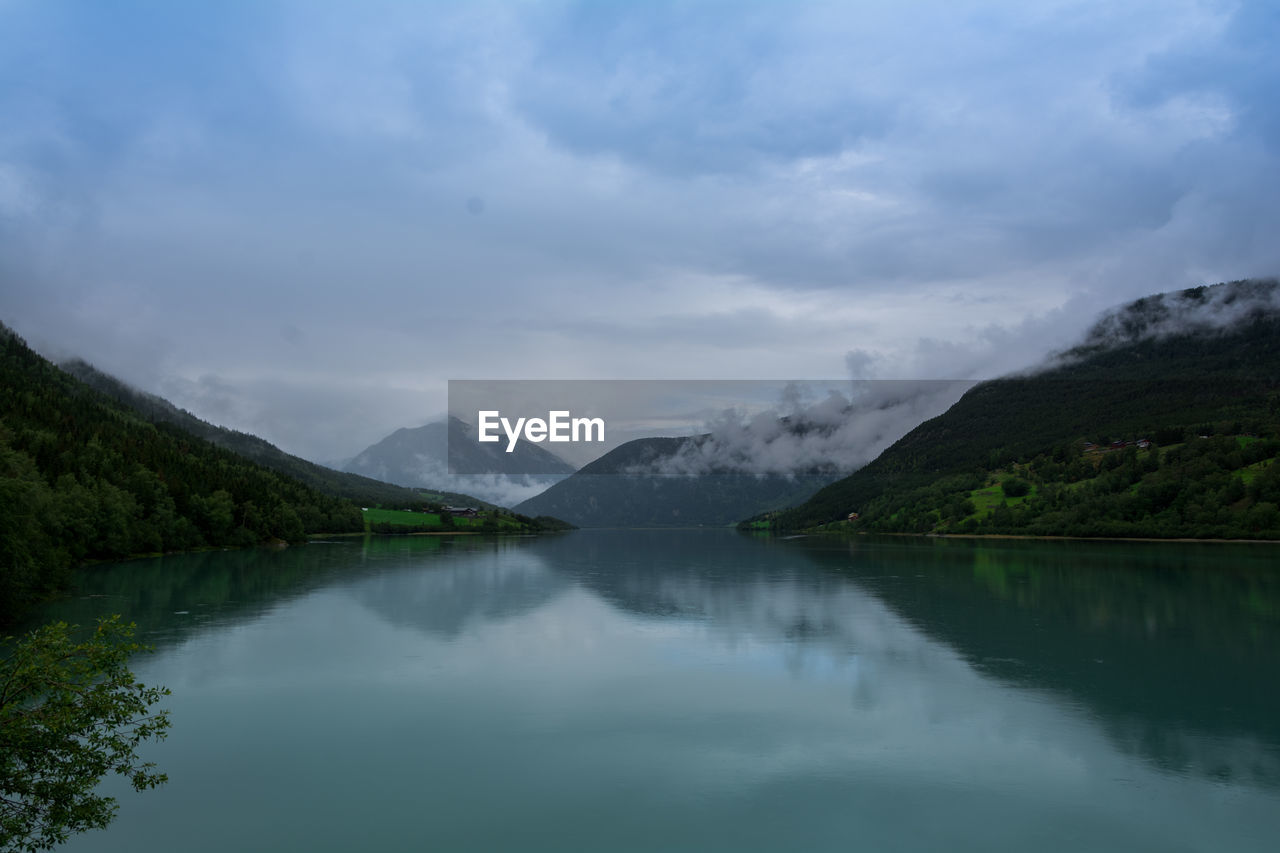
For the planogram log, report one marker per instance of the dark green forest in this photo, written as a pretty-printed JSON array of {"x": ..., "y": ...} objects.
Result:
[
  {"x": 1056, "y": 453},
  {"x": 84, "y": 478},
  {"x": 362, "y": 490}
]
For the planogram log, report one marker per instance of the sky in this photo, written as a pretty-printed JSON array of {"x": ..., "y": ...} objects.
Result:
[{"x": 301, "y": 219}]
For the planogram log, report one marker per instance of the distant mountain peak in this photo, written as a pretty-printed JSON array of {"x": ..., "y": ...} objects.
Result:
[{"x": 421, "y": 456}]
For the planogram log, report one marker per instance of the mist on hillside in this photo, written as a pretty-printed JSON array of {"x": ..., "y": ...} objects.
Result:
[{"x": 836, "y": 433}]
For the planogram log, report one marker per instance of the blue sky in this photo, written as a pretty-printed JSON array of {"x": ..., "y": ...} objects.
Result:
[{"x": 302, "y": 218}]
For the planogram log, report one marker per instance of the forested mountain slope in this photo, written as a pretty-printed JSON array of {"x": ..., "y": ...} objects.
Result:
[
  {"x": 83, "y": 477},
  {"x": 620, "y": 489},
  {"x": 363, "y": 490},
  {"x": 1164, "y": 422}
]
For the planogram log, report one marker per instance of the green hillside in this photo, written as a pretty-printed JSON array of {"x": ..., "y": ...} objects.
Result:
[
  {"x": 362, "y": 490},
  {"x": 83, "y": 477},
  {"x": 1034, "y": 454}
]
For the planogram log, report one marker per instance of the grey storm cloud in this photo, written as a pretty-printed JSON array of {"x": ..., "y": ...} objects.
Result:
[
  {"x": 334, "y": 208},
  {"x": 730, "y": 73}
]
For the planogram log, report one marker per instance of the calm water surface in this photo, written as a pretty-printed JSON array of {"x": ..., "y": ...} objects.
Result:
[{"x": 691, "y": 690}]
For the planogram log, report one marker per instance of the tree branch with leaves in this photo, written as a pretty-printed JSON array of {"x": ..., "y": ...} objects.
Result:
[{"x": 70, "y": 713}]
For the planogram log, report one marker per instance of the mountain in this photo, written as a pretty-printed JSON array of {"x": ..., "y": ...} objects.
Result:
[
  {"x": 620, "y": 489},
  {"x": 763, "y": 460},
  {"x": 421, "y": 457},
  {"x": 367, "y": 491},
  {"x": 1165, "y": 421},
  {"x": 84, "y": 477}
]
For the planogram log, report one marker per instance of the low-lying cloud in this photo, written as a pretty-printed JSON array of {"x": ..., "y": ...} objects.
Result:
[
  {"x": 834, "y": 435},
  {"x": 1196, "y": 310}
]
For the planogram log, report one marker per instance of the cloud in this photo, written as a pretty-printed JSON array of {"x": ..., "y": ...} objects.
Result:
[
  {"x": 668, "y": 189},
  {"x": 835, "y": 434},
  {"x": 693, "y": 88},
  {"x": 1193, "y": 311}
]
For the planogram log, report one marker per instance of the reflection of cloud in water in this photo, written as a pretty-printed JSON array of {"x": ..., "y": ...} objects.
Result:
[
  {"x": 445, "y": 597},
  {"x": 918, "y": 724},
  {"x": 741, "y": 696},
  {"x": 816, "y": 624}
]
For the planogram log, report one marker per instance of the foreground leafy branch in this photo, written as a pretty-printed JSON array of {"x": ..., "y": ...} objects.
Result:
[{"x": 70, "y": 713}]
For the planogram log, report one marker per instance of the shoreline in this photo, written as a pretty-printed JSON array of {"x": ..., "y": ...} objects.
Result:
[{"x": 1184, "y": 539}]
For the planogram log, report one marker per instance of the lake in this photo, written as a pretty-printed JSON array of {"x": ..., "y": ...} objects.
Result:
[{"x": 705, "y": 690}]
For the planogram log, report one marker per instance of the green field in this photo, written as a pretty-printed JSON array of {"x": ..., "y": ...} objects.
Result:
[{"x": 987, "y": 499}]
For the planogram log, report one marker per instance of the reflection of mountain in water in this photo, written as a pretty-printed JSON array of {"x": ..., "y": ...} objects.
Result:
[
  {"x": 176, "y": 596},
  {"x": 482, "y": 584},
  {"x": 1171, "y": 648},
  {"x": 759, "y": 593}
]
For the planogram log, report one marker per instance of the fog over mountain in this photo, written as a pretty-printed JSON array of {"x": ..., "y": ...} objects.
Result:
[
  {"x": 1215, "y": 308},
  {"x": 421, "y": 457},
  {"x": 744, "y": 464},
  {"x": 836, "y": 434}
]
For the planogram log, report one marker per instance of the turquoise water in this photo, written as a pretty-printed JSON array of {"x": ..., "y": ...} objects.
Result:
[{"x": 704, "y": 690}]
